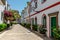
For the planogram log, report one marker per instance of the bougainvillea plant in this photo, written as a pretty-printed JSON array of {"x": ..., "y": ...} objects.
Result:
[{"x": 7, "y": 13}]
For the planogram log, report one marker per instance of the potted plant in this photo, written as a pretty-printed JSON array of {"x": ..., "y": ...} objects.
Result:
[
  {"x": 28, "y": 25},
  {"x": 56, "y": 34},
  {"x": 42, "y": 30},
  {"x": 35, "y": 27}
]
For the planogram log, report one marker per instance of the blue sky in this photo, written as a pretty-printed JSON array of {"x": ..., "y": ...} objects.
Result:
[{"x": 18, "y": 4}]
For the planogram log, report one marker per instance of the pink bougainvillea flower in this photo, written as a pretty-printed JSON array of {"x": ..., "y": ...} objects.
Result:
[{"x": 7, "y": 13}]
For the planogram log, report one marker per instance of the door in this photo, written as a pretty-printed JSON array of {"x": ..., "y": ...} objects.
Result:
[{"x": 53, "y": 25}]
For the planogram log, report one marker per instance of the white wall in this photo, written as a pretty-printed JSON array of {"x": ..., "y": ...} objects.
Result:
[
  {"x": 51, "y": 10},
  {"x": 45, "y": 4},
  {"x": 59, "y": 18},
  {"x": 41, "y": 6},
  {"x": 2, "y": 7},
  {"x": 48, "y": 11}
]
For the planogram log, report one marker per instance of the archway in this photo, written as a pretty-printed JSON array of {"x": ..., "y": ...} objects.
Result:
[{"x": 44, "y": 21}]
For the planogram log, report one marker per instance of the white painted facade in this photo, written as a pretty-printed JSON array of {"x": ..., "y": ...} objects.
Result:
[
  {"x": 48, "y": 11},
  {"x": 2, "y": 8},
  {"x": 22, "y": 18},
  {"x": 41, "y": 6},
  {"x": 24, "y": 14}
]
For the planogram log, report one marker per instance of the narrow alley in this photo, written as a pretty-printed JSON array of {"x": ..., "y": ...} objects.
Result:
[{"x": 19, "y": 33}]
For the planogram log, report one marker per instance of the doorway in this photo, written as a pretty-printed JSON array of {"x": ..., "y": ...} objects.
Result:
[
  {"x": 53, "y": 25},
  {"x": 53, "y": 22}
]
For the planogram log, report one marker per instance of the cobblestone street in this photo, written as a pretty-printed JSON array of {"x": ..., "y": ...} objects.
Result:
[{"x": 18, "y": 33}]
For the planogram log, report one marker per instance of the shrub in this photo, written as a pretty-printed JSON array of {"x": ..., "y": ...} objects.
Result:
[
  {"x": 3, "y": 26},
  {"x": 56, "y": 33},
  {"x": 42, "y": 30},
  {"x": 35, "y": 27},
  {"x": 28, "y": 25},
  {"x": 20, "y": 23},
  {"x": 23, "y": 24},
  {"x": 13, "y": 22}
]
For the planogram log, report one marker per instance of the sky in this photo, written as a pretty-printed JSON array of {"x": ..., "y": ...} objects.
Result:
[{"x": 17, "y": 4}]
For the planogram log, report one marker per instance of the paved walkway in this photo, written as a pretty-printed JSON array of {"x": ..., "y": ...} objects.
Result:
[{"x": 18, "y": 33}]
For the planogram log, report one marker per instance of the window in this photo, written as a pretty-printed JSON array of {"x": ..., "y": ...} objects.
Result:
[
  {"x": 33, "y": 5},
  {"x": 32, "y": 21},
  {"x": 30, "y": 8},
  {"x": 2, "y": 15},
  {"x": 35, "y": 1},
  {"x": 42, "y": 1},
  {"x": 44, "y": 21},
  {"x": 36, "y": 20},
  {"x": 5, "y": 8},
  {"x": 36, "y": 5}
]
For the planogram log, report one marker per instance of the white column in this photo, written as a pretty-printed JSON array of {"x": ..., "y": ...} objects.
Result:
[{"x": 48, "y": 27}]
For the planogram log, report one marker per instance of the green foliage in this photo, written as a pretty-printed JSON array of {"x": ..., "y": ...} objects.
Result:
[
  {"x": 56, "y": 33},
  {"x": 20, "y": 23},
  {"x": 3, "y": 26},
  {"x": 28, "y": 25},
  {"x": 35, "y": 27},
  {"x": 11, "y": 24},
  {"x": 14, "y": 22},
  {"x": 42, "y": 30},
  {"x": 23, "y": 24},
  {"x": 15, "y": 14}
]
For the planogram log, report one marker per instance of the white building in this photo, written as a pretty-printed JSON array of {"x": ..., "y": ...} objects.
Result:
[
  {"x": 22, "y": 16},
  {"x": 46, "y": 13},
  {"x": 25, "y": 13},
  {"x": 2, "y": 8}
]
